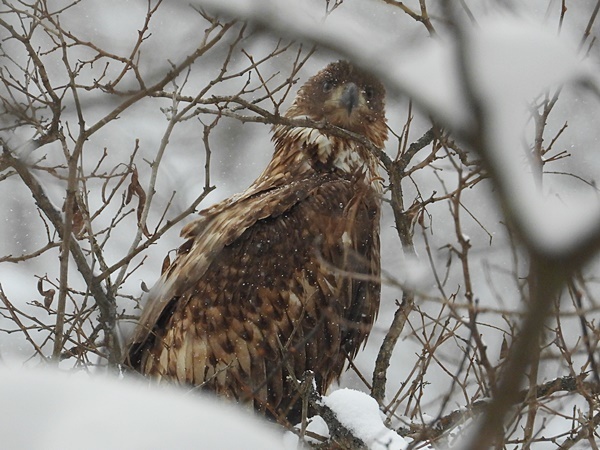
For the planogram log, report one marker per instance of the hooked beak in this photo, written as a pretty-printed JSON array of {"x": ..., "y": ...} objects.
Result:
[{"x": 350, "y": 97}]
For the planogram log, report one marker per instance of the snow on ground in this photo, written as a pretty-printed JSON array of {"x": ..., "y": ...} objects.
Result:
[{"x": 46, "y": 409}]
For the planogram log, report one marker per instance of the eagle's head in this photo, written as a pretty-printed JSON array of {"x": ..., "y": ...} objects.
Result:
[
  {"x": 341, "y": 95},
  {"x": 344, "y": 96}
]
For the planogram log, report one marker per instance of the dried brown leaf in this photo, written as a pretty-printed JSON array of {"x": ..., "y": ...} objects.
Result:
[
  {"x": 135, "y": 188},
  {"x": 47, "y": 294},
  {"x": 78, "y": 223},
  {"x": 504, "y": 349}
]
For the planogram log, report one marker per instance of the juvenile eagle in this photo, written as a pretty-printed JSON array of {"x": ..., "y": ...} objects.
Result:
[{"x": 282, "y": 278}]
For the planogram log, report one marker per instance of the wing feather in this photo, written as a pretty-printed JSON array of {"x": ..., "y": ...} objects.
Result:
[
  {"x": 207, "y": 237},
  {"x": 243, "y": 355},
  {"x": 199, "y": 360},
  {"x": 181, "y": 357}
]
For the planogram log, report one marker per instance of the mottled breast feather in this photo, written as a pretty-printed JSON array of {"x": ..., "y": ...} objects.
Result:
[{"x": 284, "y": 277}]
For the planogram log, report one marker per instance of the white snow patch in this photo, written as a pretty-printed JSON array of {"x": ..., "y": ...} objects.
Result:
[
  {"x": 54, "y": 410},
  {"x": 360, "y": 413}
]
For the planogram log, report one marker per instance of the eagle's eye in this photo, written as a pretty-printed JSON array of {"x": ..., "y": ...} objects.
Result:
[
  {"x": 369, "y": 93},
  {"x": 327, "y": 86}
]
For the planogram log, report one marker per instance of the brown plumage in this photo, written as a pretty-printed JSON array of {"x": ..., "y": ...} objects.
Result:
[{"x": 282, "y": 278}]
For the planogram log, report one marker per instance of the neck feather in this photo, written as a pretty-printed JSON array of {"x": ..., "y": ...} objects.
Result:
[{"x": 303, "y": 152}]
